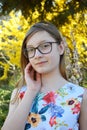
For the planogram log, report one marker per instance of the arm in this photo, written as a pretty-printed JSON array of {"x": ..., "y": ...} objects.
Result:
[
  {"x": 83, "y": 115},
  {"x": 18, "y": 113}
]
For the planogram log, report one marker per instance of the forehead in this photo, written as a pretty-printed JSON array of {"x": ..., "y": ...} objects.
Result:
[{"x": 39, "y": 37}]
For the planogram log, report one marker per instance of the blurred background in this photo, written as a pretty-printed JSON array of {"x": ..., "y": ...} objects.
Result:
[{"x": 16, "y": 17}]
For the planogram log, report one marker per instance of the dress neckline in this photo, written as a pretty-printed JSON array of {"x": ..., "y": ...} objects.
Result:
[{"x": 57, "y": 90}]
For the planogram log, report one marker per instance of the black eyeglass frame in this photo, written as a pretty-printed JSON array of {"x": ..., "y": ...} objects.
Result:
[{"x": 25, "y": 51}]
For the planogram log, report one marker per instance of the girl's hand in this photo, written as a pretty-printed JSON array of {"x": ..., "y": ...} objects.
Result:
[{"x": 32, "y": 78}]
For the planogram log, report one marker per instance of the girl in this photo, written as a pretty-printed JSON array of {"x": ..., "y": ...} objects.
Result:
[{"x": 44, "y": 99}]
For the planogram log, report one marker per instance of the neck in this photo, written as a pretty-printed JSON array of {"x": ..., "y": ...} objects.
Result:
[{"x": 52, "y": 81}]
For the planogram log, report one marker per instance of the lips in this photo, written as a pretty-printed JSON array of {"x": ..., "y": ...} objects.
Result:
[{"x": 40, "y": 63}]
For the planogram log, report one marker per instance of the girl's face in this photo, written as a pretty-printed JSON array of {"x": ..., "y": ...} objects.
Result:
[{"x": 49, "y": 61}]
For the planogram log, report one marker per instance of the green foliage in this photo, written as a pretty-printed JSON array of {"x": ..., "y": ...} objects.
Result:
[
  {"x": 6, "y": 88},
  {"x": 5, "y": 94}
]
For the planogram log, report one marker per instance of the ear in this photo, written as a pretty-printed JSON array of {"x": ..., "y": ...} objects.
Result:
[{"x": 61, "y": 47}]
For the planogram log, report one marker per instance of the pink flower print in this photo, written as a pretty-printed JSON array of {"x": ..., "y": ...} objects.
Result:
[
  {"x": 50, "y": 97},
  {"x": 52, "y": 121},
  {"x": 76, "y": 109}
]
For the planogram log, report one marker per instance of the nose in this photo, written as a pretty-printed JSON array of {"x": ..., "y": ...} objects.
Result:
[{"x": 37, "y": 53}]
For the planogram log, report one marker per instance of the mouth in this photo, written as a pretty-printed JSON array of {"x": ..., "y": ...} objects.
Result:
[{"x": 41, "y": 63}]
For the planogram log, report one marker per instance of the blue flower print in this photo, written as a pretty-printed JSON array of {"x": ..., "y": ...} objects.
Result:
[{"x": 56, "y": 111}]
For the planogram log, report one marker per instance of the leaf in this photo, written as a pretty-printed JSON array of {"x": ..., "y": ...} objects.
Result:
[
  {"x": 27, "y": 126},
  {"x": 44, "y": 109},
  {"x": 35, "y": 108},
  {"x": 43, "y": 118}
]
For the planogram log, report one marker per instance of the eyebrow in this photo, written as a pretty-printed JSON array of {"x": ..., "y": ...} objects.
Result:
[{"x": 31, "y": 45}]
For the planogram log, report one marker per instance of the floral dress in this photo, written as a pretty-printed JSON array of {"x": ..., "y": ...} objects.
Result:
[{"x": 55, "y": 110}]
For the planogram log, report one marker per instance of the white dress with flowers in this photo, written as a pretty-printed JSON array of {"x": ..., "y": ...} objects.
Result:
[{"x": 55, "y": 110}]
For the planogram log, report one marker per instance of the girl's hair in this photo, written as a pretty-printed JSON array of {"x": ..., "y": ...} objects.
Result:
[{"x": 53, "y": 31}]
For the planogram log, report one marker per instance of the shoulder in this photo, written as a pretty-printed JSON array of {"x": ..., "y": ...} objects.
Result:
[
  {"x": 13, "y": 102},
  {"x": 85, "y": 97},
  {"x": 77, "y": 88},
  {"x": 83, "y": 115},
  {"x": 84, "y": 102},
  {"x": 17, "y": 92},
  {"x": 14, "y": 92}
]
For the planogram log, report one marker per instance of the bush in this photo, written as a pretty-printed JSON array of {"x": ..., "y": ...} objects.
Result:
[{"x": 5, "y": 93}]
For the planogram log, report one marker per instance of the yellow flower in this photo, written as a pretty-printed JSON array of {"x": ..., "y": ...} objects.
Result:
[
  {"x": 71, "y": 102},
  {"x": 34, "y": 119}
]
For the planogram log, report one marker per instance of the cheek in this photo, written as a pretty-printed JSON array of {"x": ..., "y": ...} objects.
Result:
[
  {"x": 33, "y": 65},
  {"x": 55, "y": 57},
  {"x": 31, "y": 62}
]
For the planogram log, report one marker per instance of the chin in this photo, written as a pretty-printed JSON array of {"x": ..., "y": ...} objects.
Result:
[{"x": 43, "y": 71}]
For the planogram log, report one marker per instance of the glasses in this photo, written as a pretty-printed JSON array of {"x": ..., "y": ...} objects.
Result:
[{"x": 43, "y": 48}]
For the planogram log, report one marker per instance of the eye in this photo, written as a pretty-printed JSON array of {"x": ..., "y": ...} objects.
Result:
[
  {"x": 30, "y": 50},
  {"x": 45, "y": 45}
]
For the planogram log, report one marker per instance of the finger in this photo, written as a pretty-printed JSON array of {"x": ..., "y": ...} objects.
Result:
[
  {"x": 28, "y": 68},
  {"x": 32, "y": 73},
  {"x": 28, "y": 71}
]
